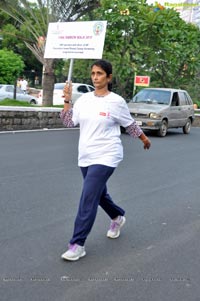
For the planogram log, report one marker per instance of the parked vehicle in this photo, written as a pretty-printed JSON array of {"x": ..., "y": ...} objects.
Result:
[
  {"x": 58, "y": 98},
  {"x": 159, "y": 109},
  {"x": 7, "y": 91}
]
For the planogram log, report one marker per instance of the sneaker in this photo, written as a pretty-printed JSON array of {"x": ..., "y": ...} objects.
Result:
[
  {"x": 115, "y": 227},
  {"x": 74, "y": 252}
]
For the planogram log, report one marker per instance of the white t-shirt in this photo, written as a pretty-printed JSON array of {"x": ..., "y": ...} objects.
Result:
[
  {"x": 100, "y": 119},
  {"x": 23, "y": 84}
]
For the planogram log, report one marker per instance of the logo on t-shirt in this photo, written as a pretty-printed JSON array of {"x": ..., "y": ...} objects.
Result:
[{"x": 104, "y": 114}]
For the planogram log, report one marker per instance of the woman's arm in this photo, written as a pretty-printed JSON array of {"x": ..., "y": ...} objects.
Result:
[
  {"x": 136, "y": 132},
  {"x": 67, "y": 112},
  {"x": 66, "y": 117}
]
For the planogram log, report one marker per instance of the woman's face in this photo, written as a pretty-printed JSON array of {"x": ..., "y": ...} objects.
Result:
[{"x": 99, "y": 77}]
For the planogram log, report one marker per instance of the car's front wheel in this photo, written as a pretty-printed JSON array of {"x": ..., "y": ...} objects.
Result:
[
  {"x": 33, "y": 102},
  {"x": 163, "y": 129},
  {"x": 187, "y": 126}
]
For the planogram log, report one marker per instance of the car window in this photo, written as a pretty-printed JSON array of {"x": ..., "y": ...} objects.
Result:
[
  {"x": 189, "y": 100},
  {"x": 184, "y": 99},
  {"x": 9, "y": 89},
  {"x": 19, "y": 91},
  {"x": 82, "y": 89},
  {"x": 175, "y": 99},
  {"x": 91, "y": 88}
]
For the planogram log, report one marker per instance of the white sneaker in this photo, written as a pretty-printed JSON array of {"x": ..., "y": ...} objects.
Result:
[
  {"x": 74, "y": 252},
  {"x": 115, "y": 227}
]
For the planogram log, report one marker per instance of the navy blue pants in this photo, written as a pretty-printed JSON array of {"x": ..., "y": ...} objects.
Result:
[{"x": 94, "y": 193}]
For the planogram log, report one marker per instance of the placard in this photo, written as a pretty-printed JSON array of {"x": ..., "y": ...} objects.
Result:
[{"x": 77, "y": 40}]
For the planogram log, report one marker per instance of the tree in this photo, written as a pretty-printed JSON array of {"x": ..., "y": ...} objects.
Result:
[
  {"x": 34, "y": 18},
  {"x": 172, "y": 53},
  {"x": 118, "y": 47},
  {"x": 11, "y": 65},
  {"x": 10, "y": 41},
  {"x": 139, "y": 39},
  {"x": 147, "y": 41}
]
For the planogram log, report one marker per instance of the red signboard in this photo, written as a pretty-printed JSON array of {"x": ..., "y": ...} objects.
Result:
[{"x": 142, "y": 80}]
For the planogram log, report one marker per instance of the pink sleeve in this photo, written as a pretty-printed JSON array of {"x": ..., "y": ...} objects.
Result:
[
  {"x": 66, "y": 117},
  {"x": 134, "y": 130}
]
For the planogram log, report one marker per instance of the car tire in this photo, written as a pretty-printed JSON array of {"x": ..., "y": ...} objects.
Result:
[
  {"x": 163, "y": 129},
  {"x": 187, "y": 126},
  {"x": 33, "y": 102}
]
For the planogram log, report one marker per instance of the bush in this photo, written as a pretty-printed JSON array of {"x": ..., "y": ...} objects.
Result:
[{"x": 197, "y": 102}]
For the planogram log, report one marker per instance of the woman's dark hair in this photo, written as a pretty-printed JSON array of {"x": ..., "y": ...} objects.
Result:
[{"x": 107, "y": 67}]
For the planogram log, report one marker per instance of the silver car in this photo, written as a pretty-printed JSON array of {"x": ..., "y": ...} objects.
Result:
[
  {"x": 7, "y": 91},
  {"x": 159, "y": 109}
]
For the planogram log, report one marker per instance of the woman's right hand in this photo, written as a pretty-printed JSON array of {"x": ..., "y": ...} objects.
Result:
[{"x": 67, "y": 91}]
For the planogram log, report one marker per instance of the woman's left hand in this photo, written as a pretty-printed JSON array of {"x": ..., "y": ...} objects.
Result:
[{"x": 147, "y": 143}]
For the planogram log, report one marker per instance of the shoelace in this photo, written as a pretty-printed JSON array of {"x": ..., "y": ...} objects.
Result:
[
  {"x": 114, "y": 225},
  {"x": 73, "y": 247}
]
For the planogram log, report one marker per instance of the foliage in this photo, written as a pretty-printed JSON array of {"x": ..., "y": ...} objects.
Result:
[
  {"x": 18, "y": 103},
  {"x": 12, "y": 41},
  {"x": 11, "y": 65},
  {"x": 139, "y": 40},
  {"x": 35, "y": 17},
  {"x": 81, "y": 71},
  {"x": 32, "y": 21},
  {"x": 147, "y": 41},
  {"x": 197, "y": 102},
  {"x": 173, "y": 54}
]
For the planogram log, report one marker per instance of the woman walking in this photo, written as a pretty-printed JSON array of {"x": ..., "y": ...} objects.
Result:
[{"x": 99, "y": 115}]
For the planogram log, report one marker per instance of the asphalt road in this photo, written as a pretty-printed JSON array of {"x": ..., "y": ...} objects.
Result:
[{"x": 156, "y": 258}]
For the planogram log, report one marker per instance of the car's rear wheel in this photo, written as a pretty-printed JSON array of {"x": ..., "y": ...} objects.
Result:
[
  {"x": 187, "y": 126},
  {"x": 163, "y": 129}
]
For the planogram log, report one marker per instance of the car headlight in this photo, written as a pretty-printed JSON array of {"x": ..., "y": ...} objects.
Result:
[{"x": 154, "y": 116}]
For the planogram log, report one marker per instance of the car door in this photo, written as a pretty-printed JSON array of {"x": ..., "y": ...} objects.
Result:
[
  {"x": 187, "y": 108},
  {"x": 9, "y": 91},
  {"x": 20, "y": 95},
  {"x": 58, "y": 96},
  {"x": 177, "y": 113}
]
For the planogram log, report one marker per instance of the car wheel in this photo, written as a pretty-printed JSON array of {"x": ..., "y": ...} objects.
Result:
[
  {"x": 187, "y": 127},
  {"x": 163, "y": 129},
  {"x": 33, "y": 102}
]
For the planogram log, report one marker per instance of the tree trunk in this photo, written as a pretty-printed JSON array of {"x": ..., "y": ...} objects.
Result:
[{"x": 48, "y": 79}]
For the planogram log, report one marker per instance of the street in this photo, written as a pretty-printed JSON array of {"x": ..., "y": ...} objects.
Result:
[{"x": 155, "y": 258}]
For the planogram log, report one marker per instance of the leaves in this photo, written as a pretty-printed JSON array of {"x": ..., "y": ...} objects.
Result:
[
  {"x": 11, "y": 66},
  {"x": 32, "y": 20},
  {"x": 143, "y": 41},
  {"x": 158, "y": 44}
]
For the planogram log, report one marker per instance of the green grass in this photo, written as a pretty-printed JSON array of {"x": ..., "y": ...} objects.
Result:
[
  {"x": 15, "y": 103},
  {"x": 18, "y": 103}
]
